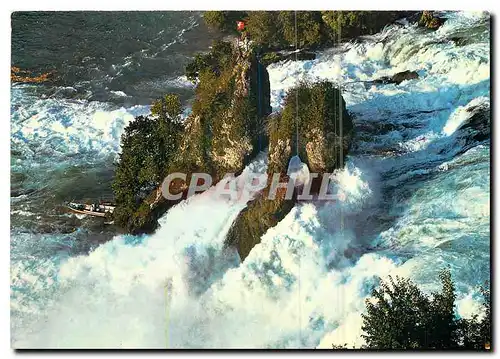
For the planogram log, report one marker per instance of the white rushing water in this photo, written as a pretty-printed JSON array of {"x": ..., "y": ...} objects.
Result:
[{"x": 415, "y": 197}]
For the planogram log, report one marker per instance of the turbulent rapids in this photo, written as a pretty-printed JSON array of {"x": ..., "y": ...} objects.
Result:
[{"x": 414, "y": 198}]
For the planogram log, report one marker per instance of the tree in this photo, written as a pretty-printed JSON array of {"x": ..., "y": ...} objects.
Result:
[
  {"x": 148, "y": 145},
  {"x": 475, "y": 333},
  {"x": 223, "y": 20},
  {"x": 220, "y": 56},
  {"x": 398, "y": 318},
  {"x": 350, "y": 24},
  {"x": 401, "y": 316},
  {"x": 307, "y": 31},
  {"x": 263, "y": 28},
  {"x": 443, "y": 327},
  {"x": 343, "y": 23},
  {"x": 215, "y": 19}
]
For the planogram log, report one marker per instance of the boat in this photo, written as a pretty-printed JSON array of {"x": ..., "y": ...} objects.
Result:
[{"x": 96, "y": 209}]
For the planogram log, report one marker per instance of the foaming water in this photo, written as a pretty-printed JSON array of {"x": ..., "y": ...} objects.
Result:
[
  {"x": 413, "y": 198},
  {"x": 96, "y": 295},
  {"x": 61, "y": 150},
  {"x": 50, "y": 129}
]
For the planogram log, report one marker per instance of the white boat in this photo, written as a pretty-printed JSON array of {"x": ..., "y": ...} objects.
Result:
[{"x": 96, "y": 210}]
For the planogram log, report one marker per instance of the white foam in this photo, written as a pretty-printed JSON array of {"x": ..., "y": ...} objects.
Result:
[
  {"x": 463, "y": 113},
  {"x": 63, "y": 127}
]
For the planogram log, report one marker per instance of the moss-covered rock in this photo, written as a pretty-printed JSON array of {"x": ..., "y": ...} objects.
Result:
[
  {"x": 223, "y": 133},
  {"x": 324, "y": 132},
  {"x": 260, "y": 215},
  {"x": 430, "y": 20},
  {"x": 346, "y": 25},
  {"x": 226, "y": 127},
  {"x": 304, "y": 29},
  {"x": 276, "y": 56}
]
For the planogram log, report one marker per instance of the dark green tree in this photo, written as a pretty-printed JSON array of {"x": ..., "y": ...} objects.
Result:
[
  {"x": 398, "y": 319},
  {"x": 475, "y": 333},
  {"x": 442, "y": 332},
  {"x": 263, "y": 29},
  {"x": 307, "y": 31},
  {"x": 219, "y": 57},
  {"x": 215, "y": 19},
  {"x": 223, "y": 20},
  {"x": 148, "y": 144},
  {"x": 350, "y": 24},
  {"x": 401, "y": 316}
]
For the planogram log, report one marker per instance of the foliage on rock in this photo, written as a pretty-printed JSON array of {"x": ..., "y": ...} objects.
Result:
[
  {"x": 232, "y": 98},
  {"x": 400, "y": 316},
  {"x": 263, "y": 29},
  {"x": 345, "y": 25},
  {"x": 148, "y": 144},
  {"x": 223, "y": 20},
  {"x": 430, "y": 21},
  {"x": 304, "y": 28},
  {"x": 272, "y": 57},
  {"x": 324, "y": 130},
  {"x": 224, "y": 131},
  {"x": 218, "y": 58},
  {"x": 324, "y": 133},
  {"x": 276, "y": 29}
]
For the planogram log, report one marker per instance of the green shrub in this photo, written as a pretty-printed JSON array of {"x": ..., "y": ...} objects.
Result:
[
  {"x": 401, "y": 316},
  {"x": 262, "y": 27},
  {"x": 223, "y": 20},
  {"x": 322, "y": 117},
  {"x": 350, "y": 24},
  {"x": 219, "y": 57},
  {"x": 148, "y": 145},
  {"x": 308, "y": 32}
]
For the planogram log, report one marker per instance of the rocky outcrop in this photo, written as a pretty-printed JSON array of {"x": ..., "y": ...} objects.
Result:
[
  {"x": 272, "y": 57},
  {"x": 224, "y": 131},
  {"x": 430, "y": 20},
  {"x": 226, "y": 128},
  {"x": 397, "y": 78},
  {"x": 476, "y": 128},
  {"x": 25, "y": 76},
  {"x": 325, "y": 130}
]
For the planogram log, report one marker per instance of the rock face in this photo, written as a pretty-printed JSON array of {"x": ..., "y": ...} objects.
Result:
[
  {"x": 223, "y": 133},
  {"x": 476, "y": 128},
  {"x": 325, "y": 130},
  {"x": 397, "y": 78},
  {"x": 272, "y": 57},
  {"x": 430, "y": 20},
  {"x": 226, "y": 129}
]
